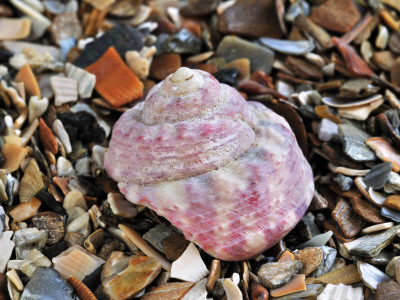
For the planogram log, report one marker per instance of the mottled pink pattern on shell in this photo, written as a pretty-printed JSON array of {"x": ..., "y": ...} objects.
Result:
[{"x": 236, "y": 210}]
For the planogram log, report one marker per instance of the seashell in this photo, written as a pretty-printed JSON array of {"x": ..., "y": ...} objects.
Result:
[
  {"x": 382, "y": 38},
  {"x": 289, "y": 47},
  {"x": 74, "y": 199},
  {"x": 81, "y": 290},
  {"x": 341, "y": 291},
  {"x": 65, "y": 89},
  {"x": 295, "y": 284},
  {"x": 385, "y": 151},
  {"x": 29, "y": 11},
  {"x": 37, "y": 107},
  {"x": 28, "y": 133},
  {"x": 61, "y": 133},
  {"x": 13, "y": 276},
  {"x": 18, "y": 101},
  {"x": 120, "y": 206},
  {"x": 47, "y": 137},
  {"x": 31, "y": 182},
  {"x": 390, "y": 214},
  {"x": 76, "y": 261},
  {"x": 25, "y": 210},
  {"x": 370, "y": 275},
  {"x": 377, "y": 227},
  {"x": 171, "y": 290},
  {"x": 78, "y": 224},
  {"x": 86, "y": 81},
  {"x": 140, "y": 62},
  {"x": 347, "y": 171},
  {"x": 215, "y": 273},
  {"x": 98, "y": 153},
  {"x": 232, "y": 290},
  {"x": 192, "y": 118},
  {"x": 26, "y": 76},
  {"x": 28, "y": 239},
  {"x": 360, "y": 112},
  {"x": 346, "y": 103},
  {"x": 122, "y": 79},
  {"x": 14, "y": 29},
  {"x": 7, "y": 248},
  {"x": 190, "y": 266},
  {"x": 142, "y": 14},
  {"x": 377, "y": 198},
  {"x": 94, "y": 241},
  {"x": 34, "y": 260}
]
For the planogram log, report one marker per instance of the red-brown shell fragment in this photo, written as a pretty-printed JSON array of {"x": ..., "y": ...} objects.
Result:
[
  {"x": 47, "y": 137},
  {"x": 114, "y": 80},
  {"x": 227, "y": 172},
  {"x": 26, "y": 76}
]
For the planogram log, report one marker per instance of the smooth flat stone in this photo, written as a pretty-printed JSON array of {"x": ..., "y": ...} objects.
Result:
[
  {"x": 370, "y": 275},
  {"x": 354, "y": 146},
  {"x": 232, "y": 47},
  {"x": 390, "y": 214},
  {"x": 289, "y": 47},
  {"x": 388, "y": 290},
  {"x": 276, "y": 274},
  {"x": 256, "y": 18},
  {"x": 47, "y": 284},
  {"x": 370, "y": 245},
  {"x": 336, "y": 15},
  {"x": 390, "y": 269},
  {"x": 303, "y": 68},
  {"x": 329, "y": 256},
  {"x": 378, "y": 176}
]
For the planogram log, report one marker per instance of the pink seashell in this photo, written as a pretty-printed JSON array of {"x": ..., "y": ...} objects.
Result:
[{"x": 227, "y": 172}]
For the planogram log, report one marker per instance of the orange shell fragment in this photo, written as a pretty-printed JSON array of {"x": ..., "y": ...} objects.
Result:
[
  {"x": 47, "y": 137},
  {"x": 13, "y": 156},
  {"x": 296, "y": 284},
  {"x": 81, "y": 289},
  {"x": 25, "y": 210},
  {"x": 114, "y": 79},
  {"x": 26, "y": 76}
]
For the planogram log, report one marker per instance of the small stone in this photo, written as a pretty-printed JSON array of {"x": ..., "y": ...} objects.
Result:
[
  {"x": 390, "y": 214},
  {"x": 341, "y": 291},
  {"x": 303, "y": 68},
  {"x": 345, "y": 183},
  {"x": 384, "y": 60},
  {"x": 336, "y": 15},
  {"x": 273, "y": 275},
  {"x": 61, "y": 133},
  {"x": 353, "y": 140},
  {"x": 377, "y": 227},
  {"x": 198, "y": 8},
  {"x": 251, "y": 18},
  {"x": 333, "y": 226},
  {"x": 242, "y": 65},
  {"x": 388, "y": 290},
  {"x": 7, "y": 248},
  {"x": 174, "y": 246},
  {"x": 350, "y": 223},
  {"x": 228, "y": 76},
  {"x": 394, "y": 42},
  {"x": 139, "y": 62},
  {"x": 370, "y": 245},
  {"x": 164, "y": 65},
  {"x": 55, "y": 287},
  {"x": 390, "y": 269},
  {"x": 327, "y": 130},
  {"x": 329, "y": 256},
  {"x": 395, "y": 73},
  {"x": 311, "y": 258},
  {"x": 197, "y": 292},
  {"x": 51, "y": 222},
  {"x": 182, "y": 42},
  {"x": 306, "y": 25},
  {"x": 232, "y": 47},
  {"x": 34, "y": 260},
  {"x": 156, "y": 235},
  {"x": 28, "y": 239},
  {"x": 393, "y": 202},
  {"x": 131, "y": 280},
  {"x": 258, "y": 292},
  {"x": 171, "y": 291},
  {"x": 307, "y": 226},
  {"x": 378, "y": 175},
  {"x": 65, "y": 26},
  {"x": 367, "y": 210}
]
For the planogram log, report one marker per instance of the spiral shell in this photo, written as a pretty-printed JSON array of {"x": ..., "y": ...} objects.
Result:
[{"x": 227, "y": 172}]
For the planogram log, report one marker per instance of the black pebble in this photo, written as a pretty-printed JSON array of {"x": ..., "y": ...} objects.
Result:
[{"x": 228, "y": 76}]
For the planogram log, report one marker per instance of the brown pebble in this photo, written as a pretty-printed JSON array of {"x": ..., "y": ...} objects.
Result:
[
  {"x": 258, "y": 292},
  {"x": 384, "y": 60},
  {"x": 393, "y": 202},
  {"x": 311, "y": 257},
  {"x": 174, "y": 246},
  {"x": 350, "y": 222},
  {"x": 303, "y": 69},
  {"x": 51, "y": 222},
  {"x": 388, "y": 290},
  {"x": 337, "y": 232},
  {"x": 164, "y": 65},
  {"x": 367, "y": 211},
  {"x": 75, "y": 238}
]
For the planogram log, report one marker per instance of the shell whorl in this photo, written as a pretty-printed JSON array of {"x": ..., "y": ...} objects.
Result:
[{"x": 188, "y": 125}]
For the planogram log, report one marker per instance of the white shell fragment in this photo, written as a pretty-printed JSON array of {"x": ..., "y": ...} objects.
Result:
[
  {"x": 382, "y": 38},
  {"x": 120, "y": 206},
  {"x": 140, "y": 62},
  {"x": 232, "y": 290},
  {"x": 376, "y": 197},
  {"x": 29, "y": 11},
  {"x": 13, "y": 276},
  {"x": 86, "y": 81},
  {"x": 61, "y": 133},
  {"x": 341, "y": 291},
  {"x": 65, "y": 89},
  {"x": 6, "y": 247},
  {"x": 370, "y": 275},
  {"x": 64, "y": 167},
  {"x": 37, "y": 107},
  {"x": 377, "y": 227},
  {"x": 343, "y": 103},
  {"x": 288, "y": 47},
  {"x": 360, "y": 113},
  {"x": 190, "y": 266}
]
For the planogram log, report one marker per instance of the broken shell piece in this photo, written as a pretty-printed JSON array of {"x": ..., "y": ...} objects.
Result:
[
  {"x": 393, "y": 100},
  {"x": 377, "y": 227},
  {"x": 31, "y": 182},
  {"x": 94, "y": 241},
  {"x": 295, "y": 284},
  {"x": 377, "y": 198},
  {"x": 359, "y": 112},
  {"x": 370, "y": 275},
  {"x": 64, "y": 167},
  {"x": 120, "y": 206},
  {"x": 347, "y": 171},
  {"x": 13, "y": 276},
  {"x": 16, "y": 99},
  {"x": 14, "y": 29},
  {"x": 65, "y": 89},
  {"x": 345, "y": 275},
  {"x": 7, "y": 248},
  {"x": 382, "y": 38},
  {"x": 61, "y": 133},
  {"x": 47, "y": 138},
  {"x": 81, "y": 290},
  {"x": 76, "y": 261},
  {"x": 190, "y": 266},
  {"x": 100, "y": 4},
  {"x": 28, "y": 239},
  {"x": 74, "y": 199},
  {"x": 29, "y": 11},
  {"x": 25, "y": 210},
  {"x": 385, "y": 151},
  {"x": 37, "y": 107},
  {"x": 34, "y": 260},
  {"x": 118, "y": 78},
  {"x": 232, "y": 290},
  {"x": 215, "y": 273},
  {"x": 26, "y": 76},
  {"x": 86, "y": 81},
  {"x": 347, "y": 103},
  {"x": 140, "y": 62},
  {"x": 79, "y": 224},
  {"x": 341, "y": 291}
]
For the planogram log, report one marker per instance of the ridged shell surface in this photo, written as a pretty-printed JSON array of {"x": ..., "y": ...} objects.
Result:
[{"x": 227, "y": 172}]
